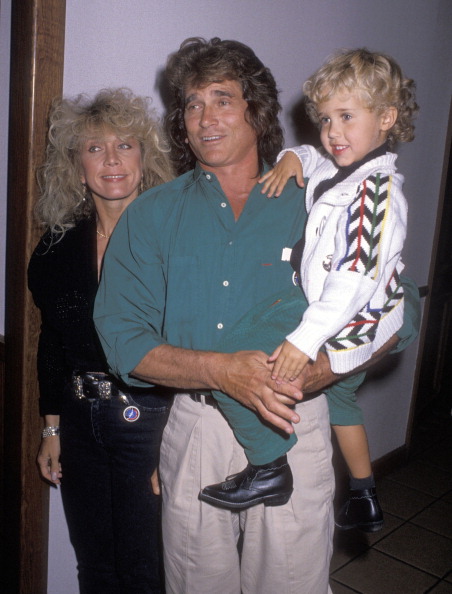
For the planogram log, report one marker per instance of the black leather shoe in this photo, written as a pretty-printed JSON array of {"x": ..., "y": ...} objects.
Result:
[
  {"x": 362, "y": 511},
  {"x": 271, "y": 484}
]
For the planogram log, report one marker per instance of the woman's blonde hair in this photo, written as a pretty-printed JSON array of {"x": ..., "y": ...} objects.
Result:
[
  {"x": 376, "y": 77},
  {"x": 64, "y": 199}
]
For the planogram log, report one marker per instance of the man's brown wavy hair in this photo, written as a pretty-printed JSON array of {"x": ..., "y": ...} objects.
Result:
[{"x": 200, "y": 63}]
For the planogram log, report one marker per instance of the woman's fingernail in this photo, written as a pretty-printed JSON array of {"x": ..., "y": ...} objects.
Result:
[{"x": 54, "y": 476}]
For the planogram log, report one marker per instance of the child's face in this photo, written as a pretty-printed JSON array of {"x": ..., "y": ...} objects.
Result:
[{"x": 349, "y": 130}]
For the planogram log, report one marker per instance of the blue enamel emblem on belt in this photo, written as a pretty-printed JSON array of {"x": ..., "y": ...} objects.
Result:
[{"x": 131, "y": 414}]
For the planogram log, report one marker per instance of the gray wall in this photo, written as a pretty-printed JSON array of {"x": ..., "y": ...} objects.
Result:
[{"x": 126, "y": 43}]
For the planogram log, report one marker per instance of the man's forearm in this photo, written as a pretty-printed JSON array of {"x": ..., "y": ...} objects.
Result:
[
  {"x": 181, "y": 368},
  {"x": 244, "y": 376}
]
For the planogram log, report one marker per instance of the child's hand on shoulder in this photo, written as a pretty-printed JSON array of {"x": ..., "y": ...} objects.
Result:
[{"x": 276, "y": 179}]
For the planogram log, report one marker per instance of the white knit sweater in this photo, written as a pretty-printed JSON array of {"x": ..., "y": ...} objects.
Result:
[{"x": 351, "y": 260}]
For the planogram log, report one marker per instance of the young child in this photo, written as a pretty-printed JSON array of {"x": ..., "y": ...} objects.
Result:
[{"x": 347, "y": 263}]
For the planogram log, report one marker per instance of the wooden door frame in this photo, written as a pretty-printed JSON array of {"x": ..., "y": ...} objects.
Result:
[
  {"x": 37, "y": 60},
  {"x": 416, "y": 401}
]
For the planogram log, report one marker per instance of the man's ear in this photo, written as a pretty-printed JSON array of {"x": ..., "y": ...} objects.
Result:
[{"x": 388, "y": 118}]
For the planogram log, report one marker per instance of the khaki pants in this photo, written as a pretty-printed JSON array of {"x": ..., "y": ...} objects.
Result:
[{"x": 285, "y": 549}]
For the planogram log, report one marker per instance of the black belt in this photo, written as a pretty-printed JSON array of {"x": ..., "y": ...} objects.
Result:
[
  {"x": 96, "y": 385},
  {"x": 203, "y": 398}
]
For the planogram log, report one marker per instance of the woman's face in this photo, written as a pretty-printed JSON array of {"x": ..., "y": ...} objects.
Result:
[{"x": 111, "y": 167}]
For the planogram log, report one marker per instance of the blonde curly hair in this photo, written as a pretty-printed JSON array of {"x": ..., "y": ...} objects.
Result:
[
  {"x": 63, "y": 199},
  {"x": 376, "y": 77}
]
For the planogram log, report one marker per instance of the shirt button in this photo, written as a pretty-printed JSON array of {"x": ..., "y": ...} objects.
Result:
[
  {"x": 225, "y": 283},
  {"x": 223, "y": 205},
  {"x": 209, "y": 177},
  {"x": 220, "y": 326}
]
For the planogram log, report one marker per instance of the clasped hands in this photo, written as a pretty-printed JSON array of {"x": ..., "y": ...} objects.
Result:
[{"x": 246, "y": 376}]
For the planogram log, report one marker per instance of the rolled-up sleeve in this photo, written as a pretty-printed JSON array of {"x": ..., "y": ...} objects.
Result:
[{"x": 128, "y": 311}]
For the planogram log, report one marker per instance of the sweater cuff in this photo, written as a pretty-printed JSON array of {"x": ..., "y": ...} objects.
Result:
[{"x": 306, "y": 338}]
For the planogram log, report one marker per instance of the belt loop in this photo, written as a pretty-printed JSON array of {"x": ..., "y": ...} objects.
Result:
[{"x": 203, "y": 399}]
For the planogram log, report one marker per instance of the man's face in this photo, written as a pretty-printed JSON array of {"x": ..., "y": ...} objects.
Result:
[{"x": 217, "y": 129}]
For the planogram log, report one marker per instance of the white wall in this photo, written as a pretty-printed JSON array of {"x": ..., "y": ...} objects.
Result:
[{"x": 126, "y": 43}]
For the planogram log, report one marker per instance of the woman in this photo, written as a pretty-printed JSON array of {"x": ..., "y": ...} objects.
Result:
[{"x": 101, "y": 438}]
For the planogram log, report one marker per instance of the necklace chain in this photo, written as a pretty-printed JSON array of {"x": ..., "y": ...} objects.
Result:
[{"x": 102, "y": 234}]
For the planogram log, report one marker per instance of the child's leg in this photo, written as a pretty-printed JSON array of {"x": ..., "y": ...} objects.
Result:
[
  {"x": 263, "y": 328},
  {"x": 261, "y": 442},
  {"x": 268, "y": 478},
  {"x": 352, "y": 440},
  {"x": 362, "y": 509}
]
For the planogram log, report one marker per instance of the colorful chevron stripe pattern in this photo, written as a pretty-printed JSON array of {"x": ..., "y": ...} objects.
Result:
[{"x": 365, "y": 228}]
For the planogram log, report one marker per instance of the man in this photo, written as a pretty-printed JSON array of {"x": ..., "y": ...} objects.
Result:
[{"x": 185, "y": 263}]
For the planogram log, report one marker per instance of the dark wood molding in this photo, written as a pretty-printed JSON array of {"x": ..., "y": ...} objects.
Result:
[
  {"x": 390, "y": 462},
  {"x": 2, "y": 457},
  {"x": 37, "y": 59},
  {"x": 381, "y": 467}
]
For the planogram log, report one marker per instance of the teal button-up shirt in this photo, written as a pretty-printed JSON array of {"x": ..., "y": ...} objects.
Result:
[{"x": 180, "y": 269}]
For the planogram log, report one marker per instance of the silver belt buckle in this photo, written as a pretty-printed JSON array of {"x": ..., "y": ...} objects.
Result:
[
  {"x": 77, "y": 384},
  {"x": 104, "y": 388}
]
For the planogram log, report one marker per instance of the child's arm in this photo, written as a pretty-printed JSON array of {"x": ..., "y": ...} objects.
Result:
[
  {"x": 289, "y": 362},
  {"x": 275, "y": 179}
]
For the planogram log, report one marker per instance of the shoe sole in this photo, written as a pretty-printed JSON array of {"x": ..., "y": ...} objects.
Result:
[
  {"x": 369, "y": 528},
  {"x": 267, "y": 500}
]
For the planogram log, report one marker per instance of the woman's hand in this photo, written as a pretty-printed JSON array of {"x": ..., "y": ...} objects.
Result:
[
  {"x": 276, "y": 179},
  {"x": 49, "y": 459},
  {"x": 155, "y": 482}
]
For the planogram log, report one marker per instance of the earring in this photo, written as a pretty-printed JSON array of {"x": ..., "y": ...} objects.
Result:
[
  {"x": 85, "y": 192},
  {"x": 141, "y": 190}
]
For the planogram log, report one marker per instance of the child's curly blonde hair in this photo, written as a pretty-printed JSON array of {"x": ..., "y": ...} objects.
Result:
[{"x": 376, "y": 77}]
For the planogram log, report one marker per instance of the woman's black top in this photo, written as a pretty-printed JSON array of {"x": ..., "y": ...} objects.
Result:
[{"x": 62, "y": 276}]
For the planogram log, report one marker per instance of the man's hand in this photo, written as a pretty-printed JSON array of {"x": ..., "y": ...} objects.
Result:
[
  {"x": 246, "y": 377},
  {"x": 318, "y": 375}
]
